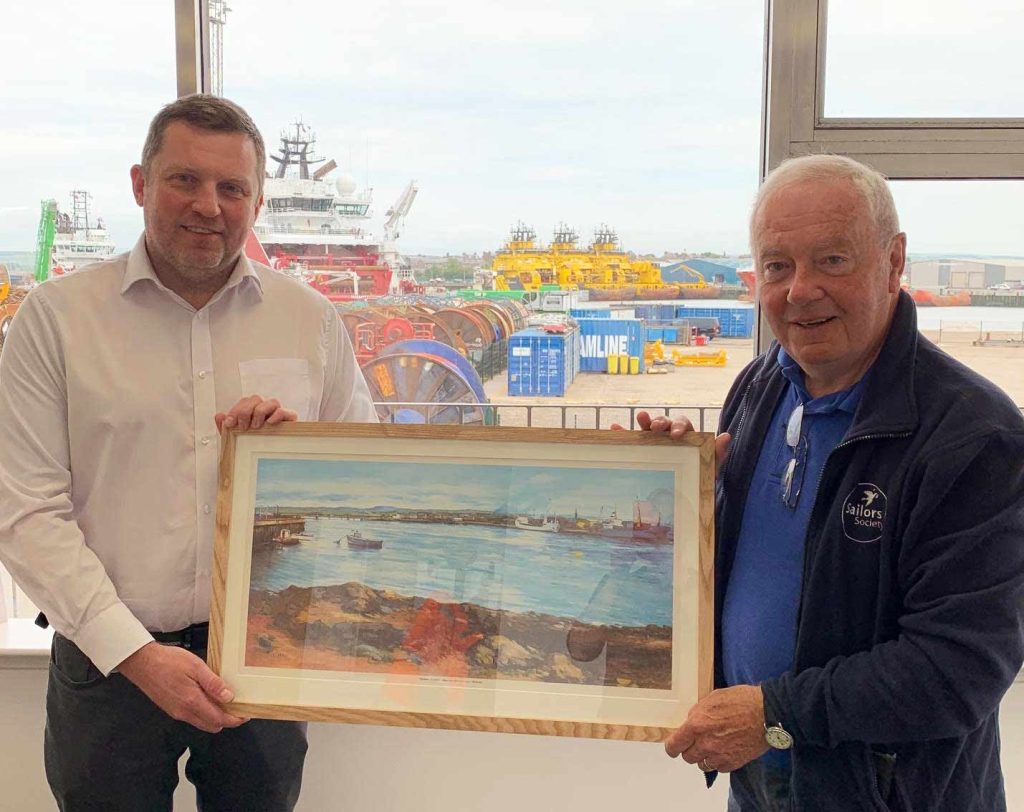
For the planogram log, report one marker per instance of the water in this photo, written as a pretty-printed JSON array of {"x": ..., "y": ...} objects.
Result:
[
  {"x": 595, "y": 580},
  {"x": 928, "y": 318},
  {"x": 989, "y": 318}
]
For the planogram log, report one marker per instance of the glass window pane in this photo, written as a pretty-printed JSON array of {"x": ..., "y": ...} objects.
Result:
[
  {"x": 913, "y": 58},
  {"x": 643, "y": 117},
  {"x": 82, "y": 85},
  {"x": 76, "y": 118},
  {"x": 966, "y": 271}
]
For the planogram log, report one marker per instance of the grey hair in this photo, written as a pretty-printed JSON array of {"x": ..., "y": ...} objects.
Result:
[
  {"x": 206, "y": 112},
  {"x": 872, "y": 185}
]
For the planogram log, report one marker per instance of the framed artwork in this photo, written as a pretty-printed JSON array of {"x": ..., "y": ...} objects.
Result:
[{"x": 500, "y": 579}]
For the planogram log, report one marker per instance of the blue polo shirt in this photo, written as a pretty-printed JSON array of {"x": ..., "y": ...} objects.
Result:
[{"x": 762, "y": 596}]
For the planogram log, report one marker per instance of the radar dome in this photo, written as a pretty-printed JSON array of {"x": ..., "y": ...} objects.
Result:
[{"x": 345, "y": 184}]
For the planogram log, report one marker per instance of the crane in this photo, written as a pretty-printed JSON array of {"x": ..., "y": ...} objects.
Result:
[
  {"x": 402, "y": 279},
  {"x": 395, "y": 216},
  {"x": 45, "y": 238}
]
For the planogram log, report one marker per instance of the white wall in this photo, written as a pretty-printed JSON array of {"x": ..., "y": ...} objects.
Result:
[{"x": 378, "y": 769}]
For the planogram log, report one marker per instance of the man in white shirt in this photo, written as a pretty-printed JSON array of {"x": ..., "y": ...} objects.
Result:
[{"x": 114, "y": 385}]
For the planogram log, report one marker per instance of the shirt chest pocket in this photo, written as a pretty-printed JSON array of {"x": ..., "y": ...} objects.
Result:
[{"x": 286, "y": 379}]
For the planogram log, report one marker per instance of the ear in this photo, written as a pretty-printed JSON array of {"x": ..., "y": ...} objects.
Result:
[
  {"x": 138, "y": 183},
  {"x": 897, "y": 260},
  {"x": 259, "y": 206}
]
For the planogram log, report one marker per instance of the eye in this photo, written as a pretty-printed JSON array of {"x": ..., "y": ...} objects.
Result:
[
  {"x": 233, "y": 189},
  {"x": 775, "y": 268},
  {"x": 182, "y": 177},
  {"x": 834, "y": 261}
]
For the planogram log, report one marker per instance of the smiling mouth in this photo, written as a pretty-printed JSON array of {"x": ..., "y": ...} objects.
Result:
[
  {"x": 199, "y": 230},
  {"x": 812, "y": 323}
]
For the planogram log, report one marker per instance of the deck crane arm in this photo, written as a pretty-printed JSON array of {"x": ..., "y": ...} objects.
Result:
[
  {"x": 45, "y": 239},
  {"x": 395, "y": 216}
]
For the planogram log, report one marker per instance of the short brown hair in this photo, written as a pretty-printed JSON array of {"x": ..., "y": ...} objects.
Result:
[{"x": 207, "y": 112}]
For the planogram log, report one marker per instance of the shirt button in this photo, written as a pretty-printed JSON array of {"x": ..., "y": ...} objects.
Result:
[
  {"x": 205, "y": 441},
  {"x": 206, "y": 509},
  {"x": 202, "y": 374}
]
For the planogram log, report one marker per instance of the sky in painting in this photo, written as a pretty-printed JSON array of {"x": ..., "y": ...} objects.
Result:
[{"x": 594, "y": 492}]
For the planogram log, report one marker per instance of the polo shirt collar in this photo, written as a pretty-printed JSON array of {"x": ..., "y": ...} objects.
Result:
[{"x": 845, "y": 400}]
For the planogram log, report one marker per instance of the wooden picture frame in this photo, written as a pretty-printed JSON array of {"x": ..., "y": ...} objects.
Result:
[{"x": 465, "y": 577}]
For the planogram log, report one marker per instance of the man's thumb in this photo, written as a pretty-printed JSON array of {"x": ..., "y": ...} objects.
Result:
[
  {"x": 722, "y": 448},
  {"x": 213, "y": 686}
]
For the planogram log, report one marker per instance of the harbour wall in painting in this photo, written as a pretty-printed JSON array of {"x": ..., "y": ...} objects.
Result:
[{"x": 264, "y": 530}]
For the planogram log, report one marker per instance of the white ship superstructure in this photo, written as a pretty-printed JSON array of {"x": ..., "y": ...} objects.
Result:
[
  {"x": 77, "y": 240},
  {"x": 319, "y": 227}
]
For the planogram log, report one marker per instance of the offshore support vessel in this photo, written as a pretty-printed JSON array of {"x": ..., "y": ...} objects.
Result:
[{"x": 317, "y": 227}]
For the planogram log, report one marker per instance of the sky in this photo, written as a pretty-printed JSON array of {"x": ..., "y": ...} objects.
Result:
[
  {"x": 594, "y": 492},
  {"x": 645, "y": 115}
]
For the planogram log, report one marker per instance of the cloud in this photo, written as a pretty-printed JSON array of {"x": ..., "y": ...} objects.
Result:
[{"x": 645, "y": 116}]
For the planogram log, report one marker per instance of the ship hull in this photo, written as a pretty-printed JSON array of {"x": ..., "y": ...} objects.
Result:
[
  {"x": 925, "y": 298},
  {"x": 362, "y": 543}
]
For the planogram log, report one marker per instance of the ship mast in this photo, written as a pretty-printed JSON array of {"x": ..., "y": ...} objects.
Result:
[
  {"x": 80, "y": 212},
  {"x": 296, "y": 151}
]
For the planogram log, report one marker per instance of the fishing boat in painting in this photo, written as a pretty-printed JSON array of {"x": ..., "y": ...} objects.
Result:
[
  {"x": 549, "y": 525},
  {"x": 286, "y": 538},
  {"x": 357, "y": 541}
]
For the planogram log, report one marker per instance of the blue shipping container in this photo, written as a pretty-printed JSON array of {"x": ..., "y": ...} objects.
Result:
[
  {"x": 736, "y": 322},
  {"x": 541, "y": 363},
  {"x": 590, "y": 313},
  {"x": 600, "y": 338},
  {"x": 655, "y": 312}
]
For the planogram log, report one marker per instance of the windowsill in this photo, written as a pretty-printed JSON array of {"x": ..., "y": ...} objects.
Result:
[{"x": 23, "y": 644}]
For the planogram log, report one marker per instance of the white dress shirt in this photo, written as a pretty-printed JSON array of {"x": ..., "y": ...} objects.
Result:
[{"x": 109, "y": 384}]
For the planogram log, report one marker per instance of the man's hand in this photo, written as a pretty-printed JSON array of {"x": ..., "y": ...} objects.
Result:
[
  {"x": 722, "y": 732},
  {"x": 181, "y": 685},
  {"x": 677, "y": 428},
  {"x": 253, "y": 412}
]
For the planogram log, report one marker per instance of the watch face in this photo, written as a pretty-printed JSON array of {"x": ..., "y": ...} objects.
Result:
[{"x": 778, "y": 738}]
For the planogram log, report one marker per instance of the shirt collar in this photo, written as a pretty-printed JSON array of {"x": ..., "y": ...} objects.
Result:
[
  {"x": 140, "y": 267},
  {"x": 845, "y": 400}
]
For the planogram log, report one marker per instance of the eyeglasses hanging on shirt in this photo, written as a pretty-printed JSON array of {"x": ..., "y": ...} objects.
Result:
[{"x": 793, "y": 474}]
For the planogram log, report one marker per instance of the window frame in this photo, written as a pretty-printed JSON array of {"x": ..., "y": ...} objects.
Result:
[
  {"x": 792, "y": 111},
  {"x": 900, "y": 148},
  {"x": 793, "y": 121},
  {"x": 192, "y": 46}
]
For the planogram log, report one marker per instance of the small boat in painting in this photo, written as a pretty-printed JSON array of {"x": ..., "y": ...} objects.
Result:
[
  {"x": 548, "y": 525},
  {"x": 357, "y": 541},
  {"x": 286, "y": 538}
]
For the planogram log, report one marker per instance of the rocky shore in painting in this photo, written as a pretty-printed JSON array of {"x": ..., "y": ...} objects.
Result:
[{"x": 353, "y": 627}]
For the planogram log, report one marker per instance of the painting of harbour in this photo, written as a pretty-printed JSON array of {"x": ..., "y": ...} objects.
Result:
[{"x": 547, "y": 573}]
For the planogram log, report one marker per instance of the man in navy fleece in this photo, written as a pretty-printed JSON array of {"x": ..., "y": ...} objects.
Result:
[{"x": 870, "y": 531}]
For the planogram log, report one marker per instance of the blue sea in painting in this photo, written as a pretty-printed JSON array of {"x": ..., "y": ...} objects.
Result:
[{"x": 596, "y": 580}]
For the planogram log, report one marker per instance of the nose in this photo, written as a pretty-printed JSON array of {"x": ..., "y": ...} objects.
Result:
[
  {"x": 205, "y": 201},
  {"x": 803, "y": 286}
]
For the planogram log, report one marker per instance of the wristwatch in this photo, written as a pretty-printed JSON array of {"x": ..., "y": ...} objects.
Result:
[{"x": 777, "y": 736}]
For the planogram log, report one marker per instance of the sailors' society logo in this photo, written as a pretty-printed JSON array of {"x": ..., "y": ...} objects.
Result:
[{"x": 864, "y": 513}]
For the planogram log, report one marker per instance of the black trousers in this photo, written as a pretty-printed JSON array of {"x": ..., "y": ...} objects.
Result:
[{"x": 108, "y": 747}]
